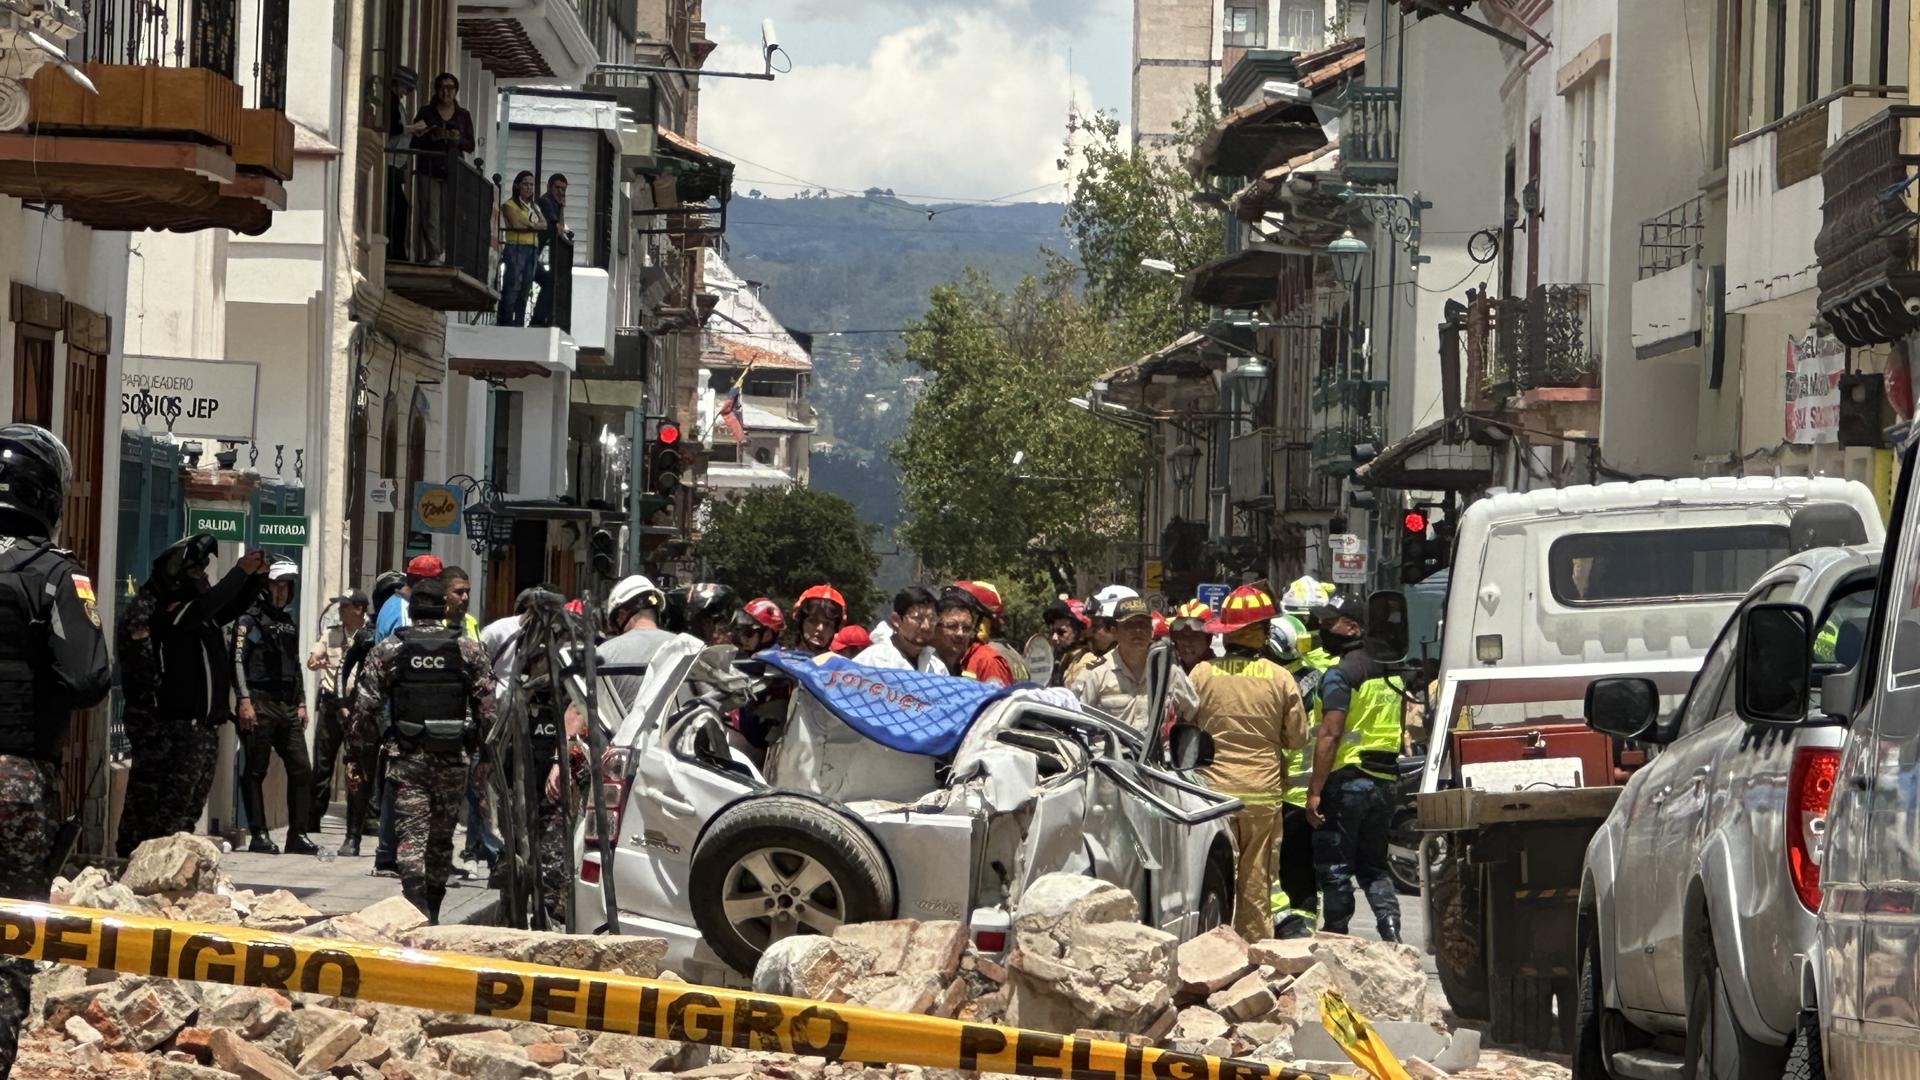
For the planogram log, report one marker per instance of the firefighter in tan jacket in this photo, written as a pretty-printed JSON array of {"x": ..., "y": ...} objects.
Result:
[{"x": 1252, "y": 708}]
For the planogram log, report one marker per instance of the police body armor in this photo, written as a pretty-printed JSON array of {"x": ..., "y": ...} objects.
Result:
[
  {"x": 23, "y": 733},
  {"x": 273, "y": 665},
  {"x": 431, "y": 690}
]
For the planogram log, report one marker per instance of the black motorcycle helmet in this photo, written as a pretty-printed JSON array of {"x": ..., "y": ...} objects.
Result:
[
  {"x": 183, "y": 563},
  {"x": 710, "y": 606},
  {"x": 673, "y": 612},
  {"x": 35, "y": 473}
]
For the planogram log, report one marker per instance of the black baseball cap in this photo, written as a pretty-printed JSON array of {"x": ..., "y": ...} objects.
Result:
[
  {"x": 353, "y": 596},
  {"x": 1339, "y": 607}
]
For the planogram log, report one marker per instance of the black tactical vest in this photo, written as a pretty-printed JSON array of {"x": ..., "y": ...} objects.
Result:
[
  {"x": 22, "y": 732},
  {"x": 431, "y": 689},
  {"x": 273, "y": 664}
]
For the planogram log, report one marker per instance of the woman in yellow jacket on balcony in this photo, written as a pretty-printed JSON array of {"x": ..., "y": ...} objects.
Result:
[{"x": 521, "y": 224}]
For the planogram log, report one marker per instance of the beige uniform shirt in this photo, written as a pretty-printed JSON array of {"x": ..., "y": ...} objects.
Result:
[
  {"x": 1252, "y": 708},
  {"x": 1109, "y": 686}
]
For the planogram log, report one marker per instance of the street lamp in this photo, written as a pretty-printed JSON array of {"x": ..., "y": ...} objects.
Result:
[
  {"x": 1253, "y": 378},
  {"x": 1347, "y": 254},
  {"x": 1184, "y": 461}
]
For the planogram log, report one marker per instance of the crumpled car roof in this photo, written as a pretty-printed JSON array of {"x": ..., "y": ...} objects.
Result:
[{"x": 910, "y": 711}]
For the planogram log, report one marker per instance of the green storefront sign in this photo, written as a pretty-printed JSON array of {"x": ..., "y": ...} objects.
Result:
[
  {"x": 221, "y": 524},
  {"x": 282, "y": 530}
]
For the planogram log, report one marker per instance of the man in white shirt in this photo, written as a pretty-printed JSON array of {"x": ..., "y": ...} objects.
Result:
[{"x": 910, "y": 646}]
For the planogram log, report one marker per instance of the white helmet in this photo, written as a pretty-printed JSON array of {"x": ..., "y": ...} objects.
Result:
[
  {"x": 1304, "y": 594},
  {"x": 282, "y": 569},
  {"x": 635, "y": 587},
  {"x": 1108, "y": 599}
]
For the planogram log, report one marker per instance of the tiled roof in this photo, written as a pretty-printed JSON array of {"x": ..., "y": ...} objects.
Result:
[{"x": 727, "y": 350}]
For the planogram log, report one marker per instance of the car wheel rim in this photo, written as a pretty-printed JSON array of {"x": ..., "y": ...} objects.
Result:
[{"x": 775, "y": 893}]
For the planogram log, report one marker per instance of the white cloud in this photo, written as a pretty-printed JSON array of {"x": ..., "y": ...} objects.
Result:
[{"x": 960, "y": 104}]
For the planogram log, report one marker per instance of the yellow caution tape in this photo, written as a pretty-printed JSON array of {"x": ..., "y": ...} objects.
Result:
[
  {"x": 483, "y": 986},
  {"x": 1362, "y": 1044}
]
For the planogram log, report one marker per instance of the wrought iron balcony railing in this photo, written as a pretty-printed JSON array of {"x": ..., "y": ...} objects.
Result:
[
  {"x": 1370, "y": 134},
  {"x": 1674, "y": 238},
  {"x": 1551, "y": 338}
]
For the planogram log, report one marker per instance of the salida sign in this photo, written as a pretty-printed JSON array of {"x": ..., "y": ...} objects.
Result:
[{"x": 209, "y": 399}]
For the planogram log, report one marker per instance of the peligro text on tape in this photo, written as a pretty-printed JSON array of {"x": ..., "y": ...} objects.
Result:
[{"x": 451, "y": 982}]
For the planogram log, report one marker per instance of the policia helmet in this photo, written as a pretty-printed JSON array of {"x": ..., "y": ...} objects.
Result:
[{"x": 35, "y": 473}]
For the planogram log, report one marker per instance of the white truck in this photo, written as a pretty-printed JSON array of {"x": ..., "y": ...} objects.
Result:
[{"x": 1550, "y": 590}]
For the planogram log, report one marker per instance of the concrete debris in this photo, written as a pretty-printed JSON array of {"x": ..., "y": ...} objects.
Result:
[
  {"x": 1079, "y": 962},
  {"x": 173, "y": 866},
  {"x": 1212, "y": 962}
]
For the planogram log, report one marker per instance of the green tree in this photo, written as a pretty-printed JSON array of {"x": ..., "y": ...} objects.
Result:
[
  {"x": 1000, "y": 370},
  {"x": 1130, "y": 204},
  {"x": 779, "y": 542}
]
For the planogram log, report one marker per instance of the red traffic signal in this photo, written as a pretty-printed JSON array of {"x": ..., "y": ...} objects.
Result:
[
  {"x": 1415, "y": 522},
  {"x": 668, "y": 434}
]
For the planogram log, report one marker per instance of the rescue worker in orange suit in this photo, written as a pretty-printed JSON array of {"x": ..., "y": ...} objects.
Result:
[
  {"x": 961, "y": 617},
  {"x": 993, "y": 630},
  {"x": 1252, "y": 708}
]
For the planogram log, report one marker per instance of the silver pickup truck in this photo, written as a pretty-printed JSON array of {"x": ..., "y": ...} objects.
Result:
[{"x": 1700, "y": 895}]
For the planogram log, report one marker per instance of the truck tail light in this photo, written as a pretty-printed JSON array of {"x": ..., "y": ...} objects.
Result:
[
  {"x": 613, "y": 772},
  {"x": 590, "y": 869},
  {"x": 1809, "y": 791},
  {"x": 990, "y": 941}
]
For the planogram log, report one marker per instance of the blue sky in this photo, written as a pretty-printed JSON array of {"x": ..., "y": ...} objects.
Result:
[{"x": 963, "y": 99}]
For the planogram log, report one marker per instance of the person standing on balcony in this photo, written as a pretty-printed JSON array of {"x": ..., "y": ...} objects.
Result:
[
  {"x": 441, "y": 128},
  {"x": 553, "y": 207},
  {"x": 521, "y": 227}
]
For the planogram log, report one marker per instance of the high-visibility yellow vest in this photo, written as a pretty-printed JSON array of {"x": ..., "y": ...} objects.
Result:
[
  {"x": 1310, "y": 669},
  {"x": 1826, "y": 645},
  {"x": 1373, "y": 727}
]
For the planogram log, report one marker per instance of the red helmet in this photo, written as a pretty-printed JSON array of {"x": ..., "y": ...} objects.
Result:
[
  {"x": 764, "y": 612},
  {"x": 851, "y": 638},
  {"x": 988, "y": 598},
  {"x": 823, "y": 592},
  {"x": 1160, "y": 629},
  {"x": 1248, "y": 605}
]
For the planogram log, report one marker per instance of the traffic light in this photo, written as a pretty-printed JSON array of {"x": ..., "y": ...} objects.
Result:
[
  {"x": 602, "y": 552},
  {"x": 664, "y": 473},
  {"x": 1426, "y": 544},
  {"x": 1413, "y": 546},
  {"x": 662, "y": 432}
]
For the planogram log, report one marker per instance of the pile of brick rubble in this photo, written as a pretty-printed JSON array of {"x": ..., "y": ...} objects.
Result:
[{"x": 1081, "y": 963}]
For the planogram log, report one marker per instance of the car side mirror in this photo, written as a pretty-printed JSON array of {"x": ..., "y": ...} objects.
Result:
[
  {"x": 1189, "y": 747},
  {"x": 1625, "y": 708},
  {"x": 1774, "y": 682},
  {"x": 1837, "y": 694},
  {"x": 1387, "y": 633}
]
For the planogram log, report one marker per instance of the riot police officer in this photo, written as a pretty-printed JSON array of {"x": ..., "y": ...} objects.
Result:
[
  {"x": 272, "y": 710},
  {"x": 53, "y": 660},
  {"x": 438, "y": 688},
  {"x": 176, "y": 679}
]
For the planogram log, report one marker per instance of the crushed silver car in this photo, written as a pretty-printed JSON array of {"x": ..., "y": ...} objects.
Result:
[{"x": 945, "y": 816}]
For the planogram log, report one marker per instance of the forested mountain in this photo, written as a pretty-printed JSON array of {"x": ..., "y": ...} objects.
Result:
[{"x": 833, "y": 264}]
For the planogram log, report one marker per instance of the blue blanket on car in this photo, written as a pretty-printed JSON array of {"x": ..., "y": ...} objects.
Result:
[{"x": 910, "y": 711}]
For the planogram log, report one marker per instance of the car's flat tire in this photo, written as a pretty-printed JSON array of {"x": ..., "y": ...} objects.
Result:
[{"x": 822, "y": 868}]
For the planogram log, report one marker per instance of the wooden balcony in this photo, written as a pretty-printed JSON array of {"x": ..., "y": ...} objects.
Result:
[
  {"x": 156, "y": 148},
  {"x": 164, "y": 143}
]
